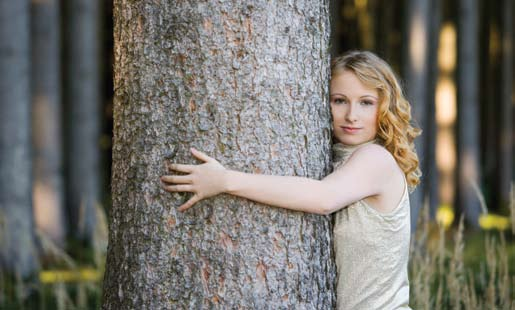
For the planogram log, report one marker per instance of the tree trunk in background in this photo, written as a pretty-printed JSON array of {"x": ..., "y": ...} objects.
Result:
[
  {"x": 417, "y": 80},
  {"x": 337, "y": 26},
  {"x": 468, "y": 108},
  {"x": 46, "y": 120},
  {"x": 384, "y": 28},
  {"x": 246, "y": 82},
  {"x": 431, "y": 172},
  {"x": 505, "y": 155},
  {"x": 17, "y": 242},
  {"x": 82, "y": 106},
  {"x": 492, "y": 171},
  {"x": 489, "y": 67},
  {"x": 346, "y": 31}
]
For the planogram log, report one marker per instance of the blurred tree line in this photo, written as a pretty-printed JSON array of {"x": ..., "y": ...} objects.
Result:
[
  {"x": 455, "y": 57},
  {"x": 55, "y": 113}
]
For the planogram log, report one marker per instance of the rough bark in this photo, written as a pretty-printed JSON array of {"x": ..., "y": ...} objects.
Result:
[
  {"x": 46, "y": 120},
  {"x": 82, "y": 105},
  {"x": 468, "y": 107},
  {"x": 416, "y": 73},
  {"x": 17, "y": 243},
  {"x": 246, "y": 82}
]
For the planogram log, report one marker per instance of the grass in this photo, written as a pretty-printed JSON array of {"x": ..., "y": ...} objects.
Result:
[
  {"x": 450, "y": 268},
  {"x": 67, "y": 282},
  {"x": 460, "y": 269}
]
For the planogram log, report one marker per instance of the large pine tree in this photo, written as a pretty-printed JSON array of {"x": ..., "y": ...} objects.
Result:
[{"x": 247, "y": 83}]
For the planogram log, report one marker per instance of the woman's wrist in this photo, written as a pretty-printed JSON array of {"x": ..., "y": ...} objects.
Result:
[{"x": 226, "y": 180}]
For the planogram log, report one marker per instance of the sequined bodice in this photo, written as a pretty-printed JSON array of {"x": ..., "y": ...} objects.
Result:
[{"x": 372, "y": 250}]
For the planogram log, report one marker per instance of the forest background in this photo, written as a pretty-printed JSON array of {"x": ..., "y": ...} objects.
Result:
[{"x": 455, "y": 59}]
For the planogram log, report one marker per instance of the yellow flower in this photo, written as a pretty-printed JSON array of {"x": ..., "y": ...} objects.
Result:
[
  {"x": 85, "y": 274},
  {"x": 492, "y": 221},
  {"x": 445, "y": 216}
]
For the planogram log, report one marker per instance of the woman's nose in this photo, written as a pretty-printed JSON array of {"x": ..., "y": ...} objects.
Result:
[{"x": 351, "y": 115}]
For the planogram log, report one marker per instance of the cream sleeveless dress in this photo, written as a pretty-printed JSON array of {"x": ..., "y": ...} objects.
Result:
[{"x": 372, "y": 250}]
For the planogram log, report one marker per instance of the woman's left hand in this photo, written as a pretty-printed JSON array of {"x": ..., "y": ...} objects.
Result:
[{"x": 204, "y": 180}]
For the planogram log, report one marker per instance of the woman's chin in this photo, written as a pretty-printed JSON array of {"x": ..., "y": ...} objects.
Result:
[{"x": 351, "y": 140}]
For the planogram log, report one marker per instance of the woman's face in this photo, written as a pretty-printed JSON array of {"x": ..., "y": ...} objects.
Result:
[{"x": 354, "y": 107}]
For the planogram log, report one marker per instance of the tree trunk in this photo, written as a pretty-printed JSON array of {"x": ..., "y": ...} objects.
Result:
[
  {"x": 246, "y": 82},
  {"x": 336, "y": 8},
  {"x": 417, "y": 79},
  {"x": 468, "y": 107},
  {"x": 505, "y": 155},
  {"x": 17, "y": 243},
  {"x": 82, "y": 105},
  {"x": 488, "y": 92},
  {"x": 431, "y": 171},
  {"x": 46, "y": 120}
]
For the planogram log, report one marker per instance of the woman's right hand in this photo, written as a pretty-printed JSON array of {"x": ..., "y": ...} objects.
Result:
[{"x": 204, "y": 180}]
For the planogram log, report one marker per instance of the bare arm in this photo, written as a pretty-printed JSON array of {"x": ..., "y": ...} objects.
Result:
[
  {"x": 289, "y": 192},
  {"x": 362, "y": 176}
]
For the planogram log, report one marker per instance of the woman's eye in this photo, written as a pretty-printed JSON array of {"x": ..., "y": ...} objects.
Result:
[
  {"x": 339, "y": 100},
  {"x": 366, "y": 102}
]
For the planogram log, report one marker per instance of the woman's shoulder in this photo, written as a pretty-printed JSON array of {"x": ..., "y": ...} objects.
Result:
[
  {"x": 377, "y": 162},
  {"x": 376, "y": 154},
  {"x": 383, "y": 168}
]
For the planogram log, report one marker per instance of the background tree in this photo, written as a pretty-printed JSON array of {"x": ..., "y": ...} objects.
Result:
[
  {"x": 506, "y": 134},
  {"x": 246, "y": 82},
  {"x": 417, "y": 69},
  {"x": 468, "y": 108},
  {"x": 46, "y": 120},
  {"x": 431, "y": 175},
  {"x": 82, "y": 107},
  {"x": 17, "y": 242}
]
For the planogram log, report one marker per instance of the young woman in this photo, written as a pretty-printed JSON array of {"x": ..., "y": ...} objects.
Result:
[{"x": 374, "y": 166}]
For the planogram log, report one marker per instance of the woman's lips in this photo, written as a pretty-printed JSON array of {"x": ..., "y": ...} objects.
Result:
[{"x": 350, "y": 129}]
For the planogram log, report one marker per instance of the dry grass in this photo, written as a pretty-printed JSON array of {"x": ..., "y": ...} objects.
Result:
[
  {"x": 60, "y": 295},
  {"x": 441, "y": 279}
]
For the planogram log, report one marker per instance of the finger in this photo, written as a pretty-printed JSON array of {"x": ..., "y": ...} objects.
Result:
[
  {"x": 177, "y": 179},
  {"x": 188, "y": 204},
  {"x": 181, "y": 168},
  {"x": 200, "y": 155},
  {"x": 178, "y": 188}
]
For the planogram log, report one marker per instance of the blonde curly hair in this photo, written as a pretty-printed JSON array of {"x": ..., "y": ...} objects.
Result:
[{"x": 394, "y": 129}]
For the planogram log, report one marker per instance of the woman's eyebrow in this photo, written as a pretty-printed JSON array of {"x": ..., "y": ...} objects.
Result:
[
  {"x": 338, "y": 94},
  {"x": 369, "y": 96}
]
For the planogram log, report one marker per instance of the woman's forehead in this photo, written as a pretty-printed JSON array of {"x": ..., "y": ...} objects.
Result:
[{"x": 348, "y": 82}]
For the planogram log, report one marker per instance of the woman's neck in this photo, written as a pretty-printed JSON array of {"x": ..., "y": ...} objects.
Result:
[{"x": 342, "y": 152}]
